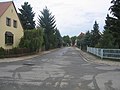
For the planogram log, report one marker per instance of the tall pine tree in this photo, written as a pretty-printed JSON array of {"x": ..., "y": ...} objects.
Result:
[
  {"x": 26, "y": 16},
  {"x": 113, "y": 22},
  {"x": 47, "y": 22},
  {"x": 58, "y": 38},
  {"x": 107, "y": 40},
  {"x": 95, "y": 35}
]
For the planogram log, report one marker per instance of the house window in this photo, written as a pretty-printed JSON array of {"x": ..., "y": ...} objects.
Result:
[
  {"x": 8, "y": 38},
  {"x": 14, "y": 23},
  {"x": 8, "y": 21}
]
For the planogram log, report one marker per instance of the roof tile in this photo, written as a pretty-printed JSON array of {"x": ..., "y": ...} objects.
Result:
[{"x": 4, "y": 6}]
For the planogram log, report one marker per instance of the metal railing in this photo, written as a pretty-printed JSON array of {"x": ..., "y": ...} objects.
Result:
[{"x": 105, "y": 53}]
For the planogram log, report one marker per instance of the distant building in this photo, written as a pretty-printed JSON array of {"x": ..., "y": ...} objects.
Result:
[
  {"x": 75, "y": 42},
  {"x": 81, "y": 34},
  {"x": 11, "y": 29}
]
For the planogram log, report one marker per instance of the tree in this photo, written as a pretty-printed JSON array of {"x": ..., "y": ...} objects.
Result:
[
  {"x": 26, "y": 16},
  {"x": 95, "y": 35},
  {"x": 47, "y": 22},
  {"x": 58, "y": 38},
  {"x": 113, "y": 22},
  {"x": 66, "y": 41},
  {"x": 84, "y": 40},
  {"x": 33, "y": 40},
  {"x": 73, "y": 40},
  {"x": 87, "y": 39},
  {"x": 107, "y": 40}
]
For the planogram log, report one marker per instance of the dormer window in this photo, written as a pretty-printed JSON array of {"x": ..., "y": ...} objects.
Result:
[{"x": 8, "y": 21}]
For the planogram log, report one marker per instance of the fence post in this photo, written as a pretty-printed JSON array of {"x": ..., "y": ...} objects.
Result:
[
  {"x": 101, "y": 53},
  {"x": 87, "y": 49},
  {"x": 97, "y": 51}
]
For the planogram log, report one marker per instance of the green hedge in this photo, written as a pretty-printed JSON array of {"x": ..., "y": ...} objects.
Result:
[
  {"x": 2, "y": 52},
  {"x": 15, "y": 52},
  {"x": 33, "y": 39}
]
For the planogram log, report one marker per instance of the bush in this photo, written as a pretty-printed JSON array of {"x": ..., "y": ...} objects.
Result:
[
  {"x": 15, "y": 50},
  {"x": 2, "y": 52},
  {"x": 33, "y": 40}
]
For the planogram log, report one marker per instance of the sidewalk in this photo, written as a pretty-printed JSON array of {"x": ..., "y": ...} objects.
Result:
[
  {"x": 25, "y": 57},
  {"x": 93, "y": 59}
]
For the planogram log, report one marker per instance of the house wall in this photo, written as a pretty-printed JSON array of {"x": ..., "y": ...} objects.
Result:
[{"x": 18, "y": 32}]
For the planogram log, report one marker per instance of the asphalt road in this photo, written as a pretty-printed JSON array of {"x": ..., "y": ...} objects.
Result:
[{"x": 63, "y": 69}]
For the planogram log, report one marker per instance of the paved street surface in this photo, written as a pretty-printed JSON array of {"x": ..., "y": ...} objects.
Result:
[{"x": 62, "y": 69}]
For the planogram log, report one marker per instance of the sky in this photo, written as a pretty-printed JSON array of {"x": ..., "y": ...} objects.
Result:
[{"x": 72, "y": 16}]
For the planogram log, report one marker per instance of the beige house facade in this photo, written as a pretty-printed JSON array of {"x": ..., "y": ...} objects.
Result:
[{"x": 11, "y": 29}]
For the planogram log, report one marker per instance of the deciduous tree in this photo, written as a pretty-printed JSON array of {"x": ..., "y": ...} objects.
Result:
[{"x": 66, "y": 41}]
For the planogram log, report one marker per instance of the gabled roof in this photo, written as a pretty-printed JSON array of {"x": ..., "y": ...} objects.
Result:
[
  {"x": 81, "y": 34},
  {"x": 4, "y": 6}
]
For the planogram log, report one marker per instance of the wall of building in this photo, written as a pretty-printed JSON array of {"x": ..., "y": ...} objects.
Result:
[{"x": 18, "y": 32}]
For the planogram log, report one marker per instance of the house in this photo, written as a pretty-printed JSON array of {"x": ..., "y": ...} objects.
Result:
[
  {"x": 11, "y": 29},
  {"x": 81, "y": 34}
]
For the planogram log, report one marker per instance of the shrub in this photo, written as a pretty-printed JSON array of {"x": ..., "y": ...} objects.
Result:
[
  {"x": 33, "y": 40},
  {"x": 15, "y": 50},
  {"x": 2, "y": 52}
]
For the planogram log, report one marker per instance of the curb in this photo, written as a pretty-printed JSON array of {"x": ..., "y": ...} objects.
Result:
[
  {"x": 27, "y": 57},
  {"x": 83, "y": 57},
  {"x": 97, "y": 60}
]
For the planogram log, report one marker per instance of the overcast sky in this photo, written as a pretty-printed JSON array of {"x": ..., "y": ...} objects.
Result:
[{"x": 72, "y": 16}]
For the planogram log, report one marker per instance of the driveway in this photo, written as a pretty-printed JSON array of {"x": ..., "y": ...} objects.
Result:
[{"x": 62, "y": 69}]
